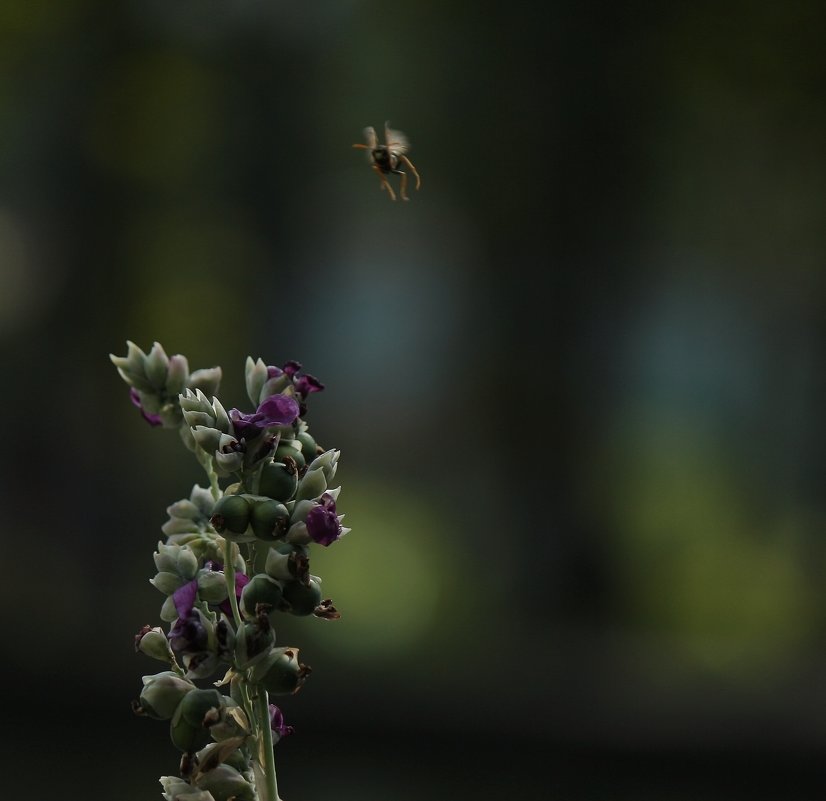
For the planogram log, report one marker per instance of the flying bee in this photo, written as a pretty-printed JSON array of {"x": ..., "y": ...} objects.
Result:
[{"x": 386, "y": 158}]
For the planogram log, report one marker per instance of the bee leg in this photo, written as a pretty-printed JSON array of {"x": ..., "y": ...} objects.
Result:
[
  {"x": 403, "y": 189},
  {"x": 384, "y": 183},
  {"x": 409, "y": 163},
  {"x": 361, "y": 147}
]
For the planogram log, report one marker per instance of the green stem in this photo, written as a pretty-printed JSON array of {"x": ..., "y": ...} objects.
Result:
[
  {"x": 205, "y": 460},
  {"x": 269, "y": 754},
  {"x": 229, "y": 575}
]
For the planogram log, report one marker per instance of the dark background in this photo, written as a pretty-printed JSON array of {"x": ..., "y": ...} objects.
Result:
[{"x": 576, "y": 381}]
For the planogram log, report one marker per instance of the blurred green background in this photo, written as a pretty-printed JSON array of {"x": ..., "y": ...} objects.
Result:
[{"x": 576, "y": 381}]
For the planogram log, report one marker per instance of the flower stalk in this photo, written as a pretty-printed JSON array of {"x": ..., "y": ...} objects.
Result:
[{"x": 269, "y": 486}]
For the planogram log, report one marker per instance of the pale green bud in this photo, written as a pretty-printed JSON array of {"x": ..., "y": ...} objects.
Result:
[
  {"x": 212, "y": 586},
  {"x": 328, "y": 462},
  {"x": 132, "y": 368},
  {"x": 162, "y": 695},
  {"x": 222, "y": 420},
  {"x": 225, "y": 783},
  {"x": 255, "y": 376},
  {"x": 166, "y": 557},
  {"x": 156, "y": 366},
  {"x": 167, "y": 583},
  {"x": 206, "y": 380},
  {"x": 168, "y": 611},
  {"x": 153, "y": 643},
  {"x": 226, "y": 458},
  {"x": 207, "y": 437},
  {"x": 173, "y": 788},
  {"x": 185, "y": 433},
  {"x": 196, "y": 403},
  {"x": 177, "y": 375},
  {"x": 187, "y": 564},
  {"x": 312, "y": 485}
]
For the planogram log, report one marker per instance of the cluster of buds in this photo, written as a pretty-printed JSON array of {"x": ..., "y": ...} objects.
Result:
[{"x": 235, "y": 557}]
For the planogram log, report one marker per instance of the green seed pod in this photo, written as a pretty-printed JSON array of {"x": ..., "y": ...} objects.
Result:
[
  {"x": 260, "y": 590},
  {"x": 269, "y": 520},
  {"x": 253, "y": 641},
  {"x": 186, "y": 737},
  {"x": 280, "y": 672},
  {"x": 198, "y": 703},
  {"x": 278, "y": 481},
  {"x": 162, "y": 694},
  {"x": 231, "y": 517},
  {"x": 301, "y": 598},
  {"x": 286, "y": 449},
  {"x": 309, "y": 447}
]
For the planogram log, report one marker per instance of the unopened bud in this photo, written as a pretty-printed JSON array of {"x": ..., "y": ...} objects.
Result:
[
  {"x": 153, "y": 642},
  {"x": 161, "y": 695}
]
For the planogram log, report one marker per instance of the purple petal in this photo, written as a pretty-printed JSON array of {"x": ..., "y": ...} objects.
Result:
[
  {"x": 307, "y": 384},
  {"x": 322, "y": 523},
  {"x": 241, "y": 581},
  {"x": 277, "y": 722},
  {"x": 280, "y": 410},
  {"x": 188, "y": 634},
  {"x": 291, "y": 368},
  {"x": 274, "y": 372},
  {"x": 184, "y": 598},
  {"x": 244, "y": 424},
  {"x": 152, "y": 419}
]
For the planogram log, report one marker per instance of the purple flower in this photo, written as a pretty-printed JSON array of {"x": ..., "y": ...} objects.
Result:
[
  {"x": 277, "y": 722},
  {"x": 152, "y": 419},
  {"x": 323, "y": 524},
  {"x": 188, "y": 634},
  {"x": 277, "y": 410},
  {"x": 184, "y": 598},
  {"x": 291, "y": 368},
  {"x": 306, "y": 384}
]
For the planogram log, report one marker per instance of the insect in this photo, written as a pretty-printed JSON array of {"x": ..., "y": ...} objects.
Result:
[{"x": 386, "y": 158}]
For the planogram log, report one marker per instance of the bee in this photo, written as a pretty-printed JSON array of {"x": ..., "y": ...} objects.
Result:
[{"x": 385, "y": 159}]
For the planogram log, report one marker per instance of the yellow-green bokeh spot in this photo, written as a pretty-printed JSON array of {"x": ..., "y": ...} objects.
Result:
[
  {"x": 389, "y": 577},
  {"x": 699, "y": 565}
]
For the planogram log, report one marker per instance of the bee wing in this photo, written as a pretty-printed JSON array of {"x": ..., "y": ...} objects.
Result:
[
  {"x": 370, "y": 137},
  {"x": 395, "y": 140}
]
